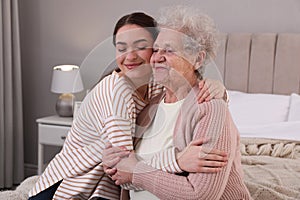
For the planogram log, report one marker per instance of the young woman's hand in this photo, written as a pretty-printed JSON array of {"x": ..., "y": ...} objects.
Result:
[
  {"x": 111, "y": 157},
  {"x": 125, "y": 170},
  {"x": 211, "y": 89},
  {"x": 195, "y": 158}
]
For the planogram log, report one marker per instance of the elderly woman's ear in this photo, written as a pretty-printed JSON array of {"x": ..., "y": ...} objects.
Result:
[{"x": 200, "y": 59}]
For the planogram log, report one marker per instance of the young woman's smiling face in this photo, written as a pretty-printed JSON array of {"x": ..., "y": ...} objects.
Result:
[{"x": 133, "y": 49}]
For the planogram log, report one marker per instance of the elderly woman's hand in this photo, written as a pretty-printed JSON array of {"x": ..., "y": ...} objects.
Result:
[
  {"x": 211, "y": 89},
  {"x": 111, "y": 157},
  {"x": 125, "y": 170},
  {"x": 195, "y": 158}
]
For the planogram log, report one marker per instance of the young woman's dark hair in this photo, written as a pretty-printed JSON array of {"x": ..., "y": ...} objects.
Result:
[{"x": 138, "y": 18}]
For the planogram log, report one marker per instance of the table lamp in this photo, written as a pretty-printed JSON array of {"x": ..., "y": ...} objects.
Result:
[{"x": 66, "y": 80}]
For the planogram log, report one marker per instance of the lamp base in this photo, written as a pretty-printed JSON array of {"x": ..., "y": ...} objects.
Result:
[{"x": 64, "y": 105}]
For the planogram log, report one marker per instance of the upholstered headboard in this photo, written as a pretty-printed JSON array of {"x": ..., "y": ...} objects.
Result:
[
  {"x": 248, "y": 62},
  {"x": 260, "y": 63}
]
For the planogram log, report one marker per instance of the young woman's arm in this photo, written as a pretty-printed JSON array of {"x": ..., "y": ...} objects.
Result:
[{"x": 211, "y": 89}]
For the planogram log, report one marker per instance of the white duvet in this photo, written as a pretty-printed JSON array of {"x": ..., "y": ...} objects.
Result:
[{"x": 279, "y": 130}]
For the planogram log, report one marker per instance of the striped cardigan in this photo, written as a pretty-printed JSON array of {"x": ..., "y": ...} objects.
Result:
[
  {"x": 210, "y": 120},
  {"x": 107, "y": 114}
]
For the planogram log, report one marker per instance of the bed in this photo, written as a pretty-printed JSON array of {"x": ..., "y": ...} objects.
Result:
[{"x": 262, "y": 73}]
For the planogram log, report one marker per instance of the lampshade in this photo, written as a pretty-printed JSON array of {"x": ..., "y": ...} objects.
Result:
[{"x": 66, "y": 79}]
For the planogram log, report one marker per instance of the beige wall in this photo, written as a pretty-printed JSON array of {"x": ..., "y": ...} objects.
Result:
[{"x": 65, "y": 31}]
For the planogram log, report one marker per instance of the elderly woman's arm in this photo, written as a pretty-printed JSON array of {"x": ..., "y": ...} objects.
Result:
[
  {"x": 214, "y": 120},
  {"x": 188, "y": 160},
  {"x": 195, "y": 185}
]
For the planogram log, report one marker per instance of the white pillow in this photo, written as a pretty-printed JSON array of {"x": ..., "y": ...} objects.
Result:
[
  {"x": 257, "y": 109},
  {"x": 294, "y": 112}
]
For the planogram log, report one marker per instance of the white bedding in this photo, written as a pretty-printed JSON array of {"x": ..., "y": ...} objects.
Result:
[
  {"x": 258, "y": 109},
  {"x": 294, "y": 108},
  {"x": 281, "y": 130},
  {"x": 266, "y": 115}
]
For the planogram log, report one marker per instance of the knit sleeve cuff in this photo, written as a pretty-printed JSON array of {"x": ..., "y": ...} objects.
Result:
[{"x": 142, "y": 175}]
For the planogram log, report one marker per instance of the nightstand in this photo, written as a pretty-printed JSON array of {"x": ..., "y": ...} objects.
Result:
[{"x": 52, "y": 130}]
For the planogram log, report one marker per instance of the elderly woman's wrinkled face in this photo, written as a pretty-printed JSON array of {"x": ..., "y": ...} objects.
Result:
[
  {"x": 172, "y": 66},
  {"x": 133, "y": 50}
]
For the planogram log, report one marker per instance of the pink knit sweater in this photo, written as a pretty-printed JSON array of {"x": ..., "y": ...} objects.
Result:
[{"x": 210, "y": 120}]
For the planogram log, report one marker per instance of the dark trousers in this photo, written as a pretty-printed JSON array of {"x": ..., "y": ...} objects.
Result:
[
  {"x": 49, "y": 193},
  {"x": 46, "y": 194}
]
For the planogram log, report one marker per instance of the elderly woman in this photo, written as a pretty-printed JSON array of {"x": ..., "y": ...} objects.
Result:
[{"x": 186, "y": 42}]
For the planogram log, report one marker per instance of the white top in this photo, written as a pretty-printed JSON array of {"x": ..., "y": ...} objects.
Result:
[{"x": 157, "y": 137}]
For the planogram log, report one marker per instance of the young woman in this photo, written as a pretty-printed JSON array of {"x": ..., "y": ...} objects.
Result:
[{"x": 107, "y": 114}]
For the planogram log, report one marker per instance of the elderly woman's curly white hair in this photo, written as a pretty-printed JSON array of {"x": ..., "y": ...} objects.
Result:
[{"x": 197, "y": 26}]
